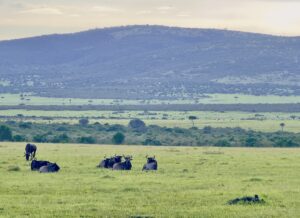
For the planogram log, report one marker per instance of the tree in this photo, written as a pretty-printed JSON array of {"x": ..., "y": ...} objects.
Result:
[
  {"x": 137, "y": 125},
  {"x": 118, "y": 138},
  {"x": 192, "y": 118},
  {"x": 282, "y": 125},
  {"x": 86, "y": 140},
  {"x": 84, "y": 121},
  {"x": 5, "y": 133}
]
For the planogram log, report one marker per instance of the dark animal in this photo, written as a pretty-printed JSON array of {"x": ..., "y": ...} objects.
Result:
[
  {"x": 246, "y": 199},
  {"x": 104, "y": 163},
  {"x": 151, "y": 164},
  {"x": 126, "y": 165},
  {"x": 30, "y": 151},
  {"x": 50, "y": 168},
  {"x": 37, "y": 164},
  {"x": 109, "y": 162}
]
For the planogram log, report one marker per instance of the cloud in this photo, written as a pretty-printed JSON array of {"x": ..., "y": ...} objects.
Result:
[
  {"x": 165, "y": 8},
  {"x": 43, "y": 11},
  {"x": 145, "y": 12},
  {"x": 105, "y": 9}
]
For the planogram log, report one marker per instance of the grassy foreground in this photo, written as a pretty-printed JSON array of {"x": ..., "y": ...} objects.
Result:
[{"x": 190, "y": 182}]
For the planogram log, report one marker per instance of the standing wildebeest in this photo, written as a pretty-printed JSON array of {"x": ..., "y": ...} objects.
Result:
[
  {"x": 50, "y": 168},
  {"x": 30, "y": 151},
  {"x": 109, "y": 162},
  {"x": 151, "y": 164},
  {"x": 37, "y": 164},
  {"x": 126, "y": 165}
]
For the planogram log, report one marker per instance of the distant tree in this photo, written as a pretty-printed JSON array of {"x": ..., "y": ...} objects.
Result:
[
  {"x": 5, "y": 133},
  {"x": 207, "y": 129},
  {"x": 282, "y": 125},
  {"x": 251, "y": 141},
  {"x": 222, "y": 143},
  {"x": 293, "y": 117},
  {"x": 118, "y": 138},
  {"x": 19, "y": 138},
  {"x": 192, "y": 118},
  {"x": 84, "y": 121},
  {"x": 137, "y": 125},
  {"x": 63, "y": 138},
  {"x": 86, "y": 140},
  {"x": 40, "y": 138},
  {"x": 26, "y": 125}
]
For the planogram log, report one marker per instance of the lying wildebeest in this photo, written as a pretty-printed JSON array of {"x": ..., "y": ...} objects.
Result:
[
  {"x": 151, "y": 164},
  {"x": 246, "y": 199},
  {"x": 109, "y": 162},
  {"x": 50, "y": 168},
  {"x": 30, "y": 151},
  {"x": 126, "y": 165},
  {"x": 37, "y": 164},
  {"x": 104, "y": 162}
]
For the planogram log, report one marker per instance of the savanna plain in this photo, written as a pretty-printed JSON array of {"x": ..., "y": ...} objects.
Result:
[{"x": 190, "y": 182}]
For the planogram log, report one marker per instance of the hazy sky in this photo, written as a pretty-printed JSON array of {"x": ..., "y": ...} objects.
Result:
[{"x": 21, "y": 18}]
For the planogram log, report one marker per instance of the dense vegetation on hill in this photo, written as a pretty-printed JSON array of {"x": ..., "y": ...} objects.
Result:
[
  {"x": 137, "y": 133},
  {"x": 150, "y": 62}
]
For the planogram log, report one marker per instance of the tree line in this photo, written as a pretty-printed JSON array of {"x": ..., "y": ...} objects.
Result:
[{"x": 137, "y": 133}]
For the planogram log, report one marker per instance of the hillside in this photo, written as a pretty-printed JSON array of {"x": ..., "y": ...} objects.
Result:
[{"x": 150, "y": 61}]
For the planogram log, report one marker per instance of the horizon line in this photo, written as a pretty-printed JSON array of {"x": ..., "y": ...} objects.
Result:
[{"x": 150, "y": 25}]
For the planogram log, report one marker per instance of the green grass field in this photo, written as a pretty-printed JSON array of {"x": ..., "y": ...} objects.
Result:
[
  {"x": 190, "y": 182},
  {"x": 30, "y": 99}
]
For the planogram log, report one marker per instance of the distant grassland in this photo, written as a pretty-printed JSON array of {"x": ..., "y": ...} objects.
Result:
[
  {"x": 29, "y": 99},
  {"x": 266, "y": 122},
  {"x": 190, "y": 182}
]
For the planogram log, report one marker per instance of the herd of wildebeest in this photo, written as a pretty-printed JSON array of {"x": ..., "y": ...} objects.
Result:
[{"x": 115, "y": 162}]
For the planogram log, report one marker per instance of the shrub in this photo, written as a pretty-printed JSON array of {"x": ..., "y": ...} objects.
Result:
[
  {"x": 137, "y": 125},
  {"x": 19, "y": 138},
  {"x": 40, "y": 138},
  {"x": 222, "y": 143},
  {"x": 63, "y": 138},
  {"x": 5, "y": 133},
  {"x": 26, "y": 125},
  {"x": 251, "y": 141},
  {"x": 84, "y": 121},
  {"x": 86, "y": 140},
  {"x": 152, "y": 142},
  {"x": 118, "y": 138},
  {"x": 207, "y": 129}
]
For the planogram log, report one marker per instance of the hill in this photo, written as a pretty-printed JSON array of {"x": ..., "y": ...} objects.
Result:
[{"x": 150, "y": 62}]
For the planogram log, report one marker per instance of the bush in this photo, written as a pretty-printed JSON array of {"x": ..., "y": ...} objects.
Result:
[
  {"x": 84, "y": 121},
  {"x": 26, "y": 125},
  {"x": 40, "y": 138},
  {"x": 152, "y": 142},
  {"x": 251, "y": 141},
  {"x": 118, "y": 138},
  {"x": 63, "y": 138},
  {"x": 19, "y": 138},
  {"x": 137, "y": 125},
  {"x": 5, "y": 133},
  {"x": 86, "y": 140},
  {"x": 222, "y": 143},
  {"x": 207, "y": 129}
]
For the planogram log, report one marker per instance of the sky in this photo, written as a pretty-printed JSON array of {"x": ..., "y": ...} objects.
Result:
[{"x": 24, "y": 18}]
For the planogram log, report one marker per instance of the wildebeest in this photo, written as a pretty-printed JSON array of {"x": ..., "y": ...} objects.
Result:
[
  {"x": 30, "y": 151},
  {"x": 126, "y": 165},
  {"x": 37, "y": 164},
  {"x": 151, "y": 164},
  {"x": 246, "y": 199},
  {"x": 104, "y": 163},
  {"x": 109, "y": 162},
  {"x": 49, "y": 168}
]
